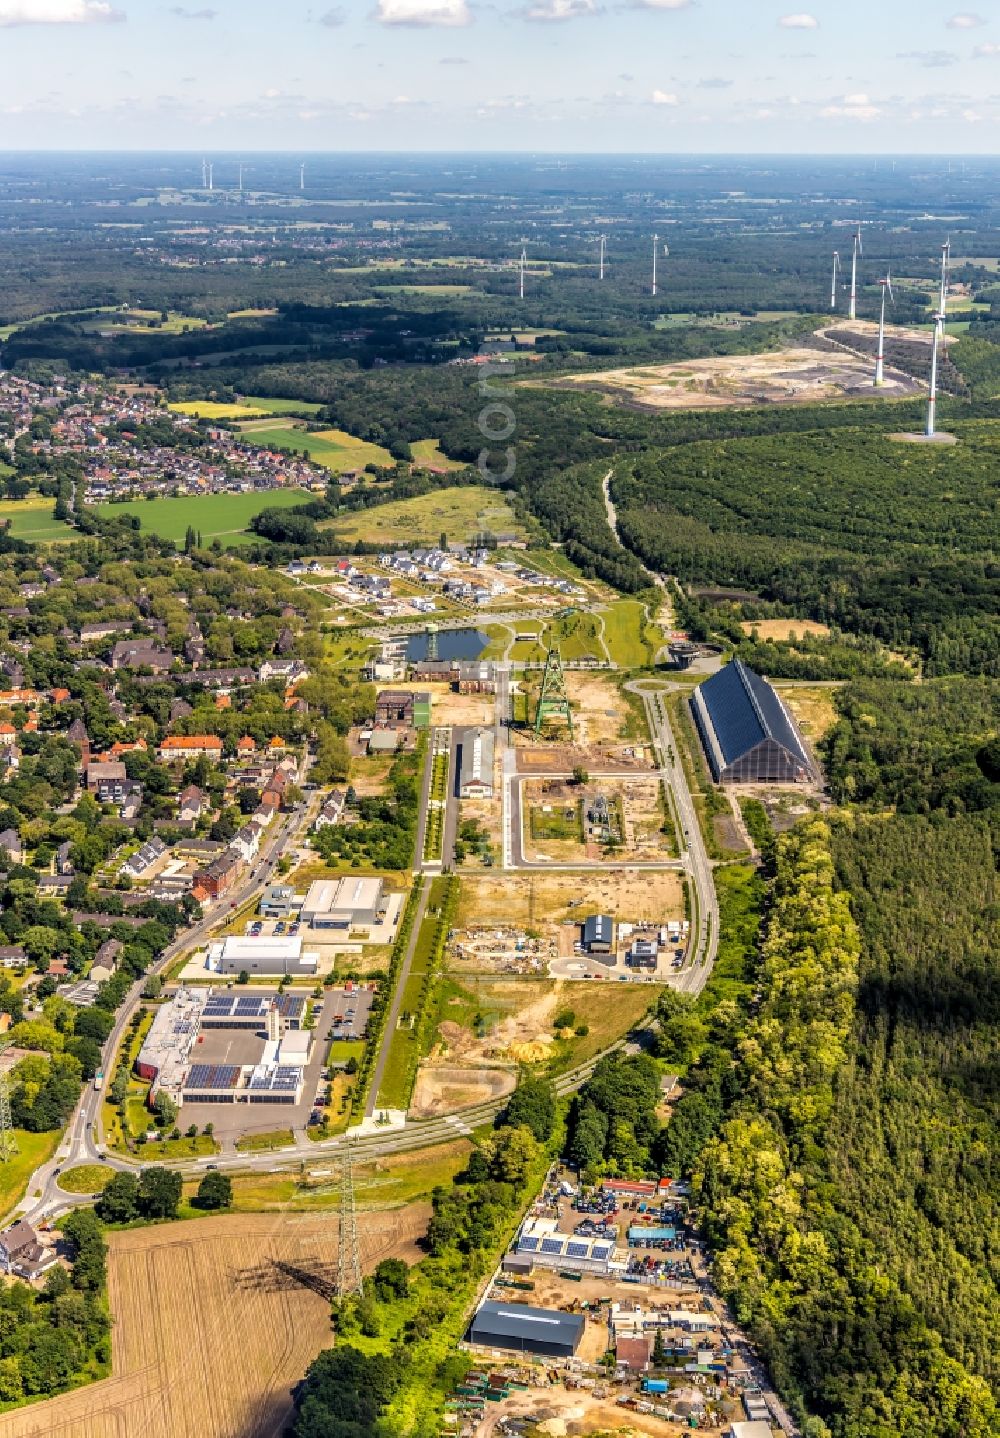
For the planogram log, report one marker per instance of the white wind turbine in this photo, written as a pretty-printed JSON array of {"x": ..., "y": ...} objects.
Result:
[
  {"x": 856, "y": 251},
  {"x": 833, "y": 283},
  {"x": 880, "y": 357}
]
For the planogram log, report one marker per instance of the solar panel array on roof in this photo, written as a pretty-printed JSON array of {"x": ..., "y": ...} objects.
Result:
[
  {"x": 290, "y": 1005},
  {"x": 601, "y": 1250},
  {"x": 552, "y": 1245},
  {"x": 577, "y": 1250},
  {"x": 747, "y": 733},
  {"x": 210, "y": 1076},
  {"x": 279, "y": 1078},
  {"x": 529, "y": 1245}
]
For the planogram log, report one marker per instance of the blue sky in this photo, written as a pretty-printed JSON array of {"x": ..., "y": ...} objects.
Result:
[{"x": 841, "y": 76}]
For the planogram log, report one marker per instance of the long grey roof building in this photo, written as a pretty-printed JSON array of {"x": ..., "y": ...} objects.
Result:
[
  {"x": 747, "y": 733},
  {"x": 522, "y": 1329}
]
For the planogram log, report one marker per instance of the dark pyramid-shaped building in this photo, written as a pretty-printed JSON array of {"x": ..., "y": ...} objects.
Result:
[{"x": 748, "y": 734}]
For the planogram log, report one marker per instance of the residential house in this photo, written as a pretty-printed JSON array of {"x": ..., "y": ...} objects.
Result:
[
  {"x": 141, "y": 653},
  {"x": 10, "y": 845},
  {"x": 98, "y": 774},
  {"x": 191, "y": 804},
  {"x": 333, "y": 810},
  {"x": 21, "y": 1252},
  {"x": 189, "y": 746}
]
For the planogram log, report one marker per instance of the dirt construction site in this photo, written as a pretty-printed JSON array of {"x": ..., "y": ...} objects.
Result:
[
  {"x": 213, "y": 1323},
  {"x": 797, "y": 375},
  {"x": 540, "y": 902}
]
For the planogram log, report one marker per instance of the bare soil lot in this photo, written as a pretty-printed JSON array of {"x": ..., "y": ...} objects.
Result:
[
  {"x": 213, "y": 1325},
  {"x": 797, "y": 375},
  {"x": 785, "y": 629},
  {"x": 561, "y": 823},
  {"x": 540, "y": 901},
  {"x": 444, "y": 1088}
]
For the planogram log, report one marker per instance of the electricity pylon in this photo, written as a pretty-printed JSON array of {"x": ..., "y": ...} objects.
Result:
[{"x": 348, "y": 1252}]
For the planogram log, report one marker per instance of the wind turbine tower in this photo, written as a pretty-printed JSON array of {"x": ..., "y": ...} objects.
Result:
[
  {"x": 523, "y": 262},
  {"x": 603, "y": 246},
  {"x": 833, "y": 283},
  {"x": 302, "y": 177},
  {"x": 204, "y": 174},
  {"x": 211, "y": 179},
  {"x": 932, "y": 393},
  {"x": 241, "y": 177},
  {"x": 880, "y": 358},
  {"x": 857, "y": 250},
  {"x": 943, "y": 301},
  {"x": 656, "y": 241}
]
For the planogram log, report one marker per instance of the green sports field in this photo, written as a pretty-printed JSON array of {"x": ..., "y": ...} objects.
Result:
[
  {"x": 216, "y": 516},
  {"x": 31, "y": 520}
]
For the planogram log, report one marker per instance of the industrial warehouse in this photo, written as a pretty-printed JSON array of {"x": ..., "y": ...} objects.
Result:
[
  {"x": 223, "y": 1047},
  {"x": 269, "y": 956},
  {"x": 747, "y": 733},
  {"x": 343, "y": 904}
]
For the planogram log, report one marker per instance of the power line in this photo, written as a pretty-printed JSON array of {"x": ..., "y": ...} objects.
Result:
[{"x": 348, "y": 1251}]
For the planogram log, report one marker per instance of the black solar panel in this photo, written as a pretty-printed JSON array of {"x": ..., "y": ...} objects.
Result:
[
  {"x": 744, "y": 711},
  {"x": 213, "y": 1076}
]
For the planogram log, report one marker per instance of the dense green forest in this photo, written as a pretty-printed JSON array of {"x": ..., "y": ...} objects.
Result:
[
  {"x": 893, "y": 541},
  {"x": 847, "y": 1193}
]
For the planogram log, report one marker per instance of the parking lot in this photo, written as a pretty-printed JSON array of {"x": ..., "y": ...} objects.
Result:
[{"x": 346, "y": 1015}]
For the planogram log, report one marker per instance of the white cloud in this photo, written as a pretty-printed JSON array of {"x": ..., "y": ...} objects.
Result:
[
  {"x": 852, "y": 107},
  {"x": 966, "y": 20},
  {"x": 661, "y": 97},
  {"x": 556, "y": 10},
  {"x": 660, "y": 4},
  {"x": 422, "y": 12},
  {"x": 799, "y": 22},
  {"x": 57, "y": 12},
  {"x": 987, "y": 50}
]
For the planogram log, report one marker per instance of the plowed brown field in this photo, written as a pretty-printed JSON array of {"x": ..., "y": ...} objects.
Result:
[{"x": 214, "y": 1322}]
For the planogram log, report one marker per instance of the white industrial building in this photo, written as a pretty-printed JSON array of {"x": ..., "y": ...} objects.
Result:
[
  {"x": 344, "y": 904},
  {"x": 541, "y": 1241},
  {"x": 167, "y": 1047},
  {"x": 269, "y": 955},
  {"x": 475, "y": 769}
]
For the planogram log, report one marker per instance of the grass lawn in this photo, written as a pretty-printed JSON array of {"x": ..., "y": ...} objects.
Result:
[
  {"x": 86, "y": 1178},
  {"x": 32, "y": 1149},
  {"x": 555, "y": 824},
  {"x": 405, "y": 1049},
  {"x": 171, "y": 1149},
  {"x": 273, "y": 405},
  {"x": 32, "y": 521},
  {"x": 607, "y": 1018},
  {"x": 632, "y": 641},
  {"x": 429, "y": 451},
  {"x": 334, "y": 448},
  {"x": 460, "y": 513},
  {"x": 222, "y": 516},
  {"x": 258, "y": 1142},
  {"x": 382, "y": 1184}
]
